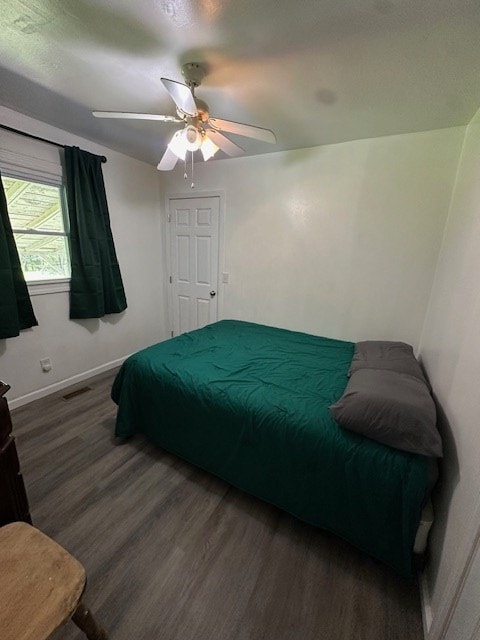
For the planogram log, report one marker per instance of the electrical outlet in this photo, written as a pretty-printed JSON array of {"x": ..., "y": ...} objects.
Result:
[{"x": 46, "y": 365}]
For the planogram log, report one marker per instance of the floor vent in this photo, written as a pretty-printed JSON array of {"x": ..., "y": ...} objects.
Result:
[{"x": 77, "y": 392}]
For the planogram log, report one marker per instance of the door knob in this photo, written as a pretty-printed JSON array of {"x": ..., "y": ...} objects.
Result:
[{"x": 213, "y": 294}]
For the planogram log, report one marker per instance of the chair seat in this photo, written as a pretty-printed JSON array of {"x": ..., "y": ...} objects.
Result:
[{"x": 40, "y": 583}]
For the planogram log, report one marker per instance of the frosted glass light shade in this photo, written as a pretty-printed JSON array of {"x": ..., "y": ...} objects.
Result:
[
  {"x": 208, "y": 148},
  {"x": 178, "y": 145},
  {"x": 192, "y": 137}
]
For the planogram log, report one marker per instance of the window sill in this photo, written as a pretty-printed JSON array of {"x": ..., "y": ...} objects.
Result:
[{"x": 44, "y": 287}]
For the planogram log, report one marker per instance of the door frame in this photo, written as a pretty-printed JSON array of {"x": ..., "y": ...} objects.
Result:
[{"x": 189, "y": 195}]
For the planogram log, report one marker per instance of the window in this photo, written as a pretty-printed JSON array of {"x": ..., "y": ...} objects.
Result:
[{"x": 37, "y": 217}]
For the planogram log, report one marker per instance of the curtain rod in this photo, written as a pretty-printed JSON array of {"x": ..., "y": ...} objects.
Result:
[{"x": 30, "y": 135}]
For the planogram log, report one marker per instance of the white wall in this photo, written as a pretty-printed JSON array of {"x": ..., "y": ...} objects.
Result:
[
  {"x": 78, "y": 346},
  {"x": 340, "y": 240},
  {"x": 450, "y": 349}
]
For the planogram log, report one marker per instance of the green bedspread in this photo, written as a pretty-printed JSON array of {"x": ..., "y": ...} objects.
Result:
[{"x": 249, "y": 403}]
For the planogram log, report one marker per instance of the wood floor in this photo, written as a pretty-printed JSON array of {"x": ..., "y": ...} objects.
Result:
[{"x": 173, "y": 553}]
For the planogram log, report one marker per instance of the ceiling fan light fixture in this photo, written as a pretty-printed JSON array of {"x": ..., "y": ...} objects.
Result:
[
  {"x": 208, "y": 148},
  {"x": 178, "y": 145}
]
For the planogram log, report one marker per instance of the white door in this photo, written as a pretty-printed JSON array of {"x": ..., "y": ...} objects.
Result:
[{"x": 194, "y": 250}]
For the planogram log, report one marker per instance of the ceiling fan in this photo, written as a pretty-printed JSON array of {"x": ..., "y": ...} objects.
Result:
[{"x": 200, "y": 131}]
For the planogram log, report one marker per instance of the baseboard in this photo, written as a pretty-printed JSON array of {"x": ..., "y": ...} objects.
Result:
[
  {"x": 425, "y": 604},
  {"x": 62, "y": 384}
]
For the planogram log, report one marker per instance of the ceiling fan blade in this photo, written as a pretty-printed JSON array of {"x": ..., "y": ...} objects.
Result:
[
  {"x": 181, "y": 95},
  {"x": 223, "y": 143},
  {"x": 134, "y": 116},
  {"x": 246, "y": 130},
  {"x": 168, "y": 161}
]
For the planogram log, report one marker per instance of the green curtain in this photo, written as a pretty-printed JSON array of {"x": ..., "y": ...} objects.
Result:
[
  {"x": 96, "y": 287},
  {"x": 16, "y": 312}
]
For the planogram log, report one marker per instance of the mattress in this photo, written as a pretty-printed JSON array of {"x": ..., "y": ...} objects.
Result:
[{"x": 249, "y": 403}]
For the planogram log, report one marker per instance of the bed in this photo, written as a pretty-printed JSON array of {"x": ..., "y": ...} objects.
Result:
[{"x": 249, "y": 403}]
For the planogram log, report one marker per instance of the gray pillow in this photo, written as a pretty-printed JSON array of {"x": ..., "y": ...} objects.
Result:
[
  {"x": 393, "y": 408},
  {"x": 383, "y": 354}
]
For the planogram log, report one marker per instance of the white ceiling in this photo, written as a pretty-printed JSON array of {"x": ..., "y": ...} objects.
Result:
[{"x": 314, "y": 71}]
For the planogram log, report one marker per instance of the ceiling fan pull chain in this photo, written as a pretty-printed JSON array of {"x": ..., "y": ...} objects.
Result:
[
  {"x": 185, "y": 172},
  {"x": 192, "y": 186}
]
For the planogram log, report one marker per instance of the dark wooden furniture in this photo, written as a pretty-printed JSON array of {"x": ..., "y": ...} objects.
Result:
[{"x": 13, "y": 498}]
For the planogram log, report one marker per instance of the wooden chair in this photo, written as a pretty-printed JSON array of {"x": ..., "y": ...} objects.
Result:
[{"x": 41, "y": 587}]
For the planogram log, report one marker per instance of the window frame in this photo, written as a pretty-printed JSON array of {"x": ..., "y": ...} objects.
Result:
[{"x": 47, "y": 285}]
